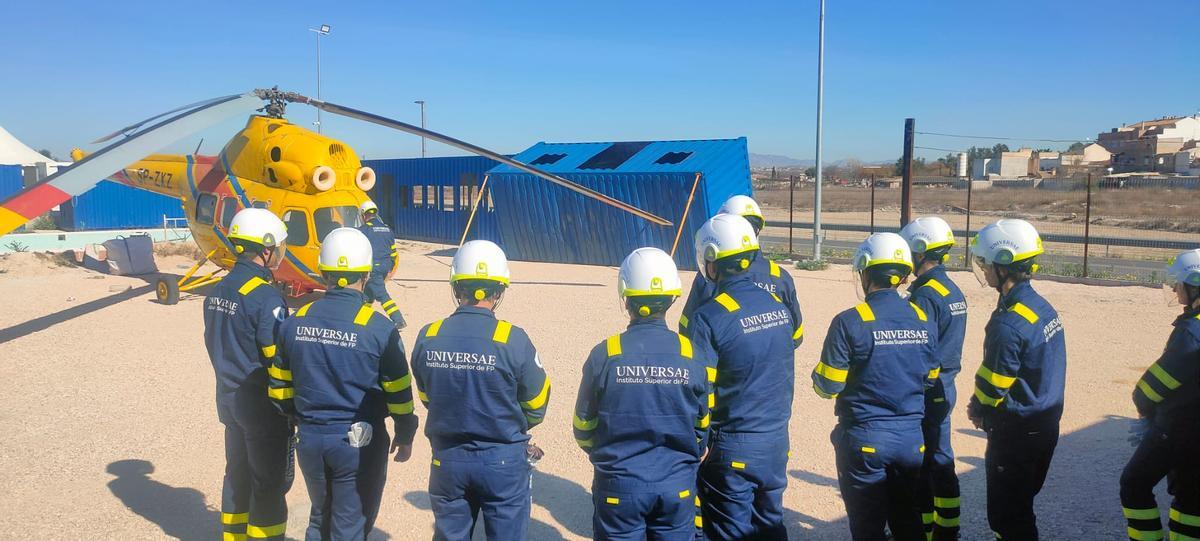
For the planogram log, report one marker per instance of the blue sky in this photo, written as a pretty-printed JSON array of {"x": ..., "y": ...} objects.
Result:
[{"x": 508, "y": 74}]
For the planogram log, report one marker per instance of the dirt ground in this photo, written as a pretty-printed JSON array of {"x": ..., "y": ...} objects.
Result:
[{"x": 110, "y": 431}]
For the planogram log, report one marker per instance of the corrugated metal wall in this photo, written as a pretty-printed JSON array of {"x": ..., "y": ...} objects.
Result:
[
  {"x": 10, "y": 180},
  {"x": 428, "y": 199},
  {"x": 545, "y": 222},
  {"x": 115, "y": 206}
]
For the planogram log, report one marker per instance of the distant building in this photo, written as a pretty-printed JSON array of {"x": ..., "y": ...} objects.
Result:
[
  {"x": 1092, "y": 154},
  {"x": 1150, "y": 145},
  {"x": 1187, "y": 161},
  {"x": 1018, "y": 164}
]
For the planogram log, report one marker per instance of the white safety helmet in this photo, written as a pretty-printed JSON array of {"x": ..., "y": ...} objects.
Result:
[
  {"x": 927, "y": 233},
  {"x": 345, "y": 251},
  {"x": 878, "y": 250},
  {"x": 725, "y": 236},
  {"x": 745, "y": 207},
  {"x": 368, "y": 206},
  {"x": 1006, "y": 242},
  {"x": 1183, "y": 269},
  {"x": 258, "y": 226},
  {"x": 480, "y": 262},
  {"x": 649, "y": 273}
]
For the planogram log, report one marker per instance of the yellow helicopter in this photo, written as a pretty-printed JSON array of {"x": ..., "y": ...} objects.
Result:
[{"x": 312, "y": 182}]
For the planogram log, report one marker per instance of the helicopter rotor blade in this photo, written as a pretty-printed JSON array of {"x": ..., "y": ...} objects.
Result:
[
  {"x": 133, "y": 127},
  {"x": 463, "y": 145},
  {"x": 35, "y": 200}
]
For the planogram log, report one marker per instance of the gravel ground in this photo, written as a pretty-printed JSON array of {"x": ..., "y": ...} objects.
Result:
[{"x": 110, "y": 431}]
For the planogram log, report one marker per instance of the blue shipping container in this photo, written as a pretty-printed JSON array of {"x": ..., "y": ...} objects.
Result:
[
  {"x": 110, "y": 205},
  {"x": 428, "y": 199},
  {"x": 10, "y": 180}
]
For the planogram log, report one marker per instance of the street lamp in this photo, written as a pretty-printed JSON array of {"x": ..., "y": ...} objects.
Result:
[
  {"x": 323, "y": 30},
  {"x": 422, "y": 104}
]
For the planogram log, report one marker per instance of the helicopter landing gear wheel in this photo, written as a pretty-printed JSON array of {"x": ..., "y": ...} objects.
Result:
[{"x": 167, "y": 291}]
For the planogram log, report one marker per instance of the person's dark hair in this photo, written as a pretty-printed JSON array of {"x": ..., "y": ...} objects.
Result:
[
  {"x": 1019, "y": 271},
  {"x": 888, "y": 275},
  {"x": 648, "y": 305},
  {"x": 249, "y": 250},
  {"x": 936, "y": 255}
]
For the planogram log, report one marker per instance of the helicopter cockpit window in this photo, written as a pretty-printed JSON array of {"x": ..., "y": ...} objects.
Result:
[
  {"x": 206, "y": 208},
  {"x": 327, "y": 219},
  {"x": 228, "y": 209},
  {"x": 297, "y": 227},
  {"x": 260, "y": 204}
]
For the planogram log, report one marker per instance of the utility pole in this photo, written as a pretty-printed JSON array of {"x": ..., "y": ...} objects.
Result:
[
  {"x": 322, "y": 31},
  {"x": 820, "y": 109},
  {"x": 910, "y": 128},
  {"x": 422, "y": 104}
]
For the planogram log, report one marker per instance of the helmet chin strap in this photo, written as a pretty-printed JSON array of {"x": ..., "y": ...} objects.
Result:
[{"x": 1001, "y": 279}]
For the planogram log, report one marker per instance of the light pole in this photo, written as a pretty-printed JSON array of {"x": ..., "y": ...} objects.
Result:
[
  {"x": 322, "y": 31},
  {"x": 820, "y": 108},
  {"x": 422, "y": 104}
]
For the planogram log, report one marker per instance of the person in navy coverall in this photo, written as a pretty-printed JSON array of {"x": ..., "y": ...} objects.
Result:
[
  {"x": 1019, "y": 386},
  {"x": 384, "y": 259},
  {"x": 242, "y": 314},
  {"x": 340, "y": 372},
  {"x": 749, "y": 331},
  {"x": 642, "y": 412},
  {"x": 878, "y": 360},
  {"x": 485, "y": 387}
]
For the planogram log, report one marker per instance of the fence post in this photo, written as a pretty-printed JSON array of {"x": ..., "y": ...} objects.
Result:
[
  {"x": 910, "y": 128},
  {"x": 967, "y": 244},
  {"x": 872, "y": 204},
  {"x": 791, "y": 211},
  {"x": 1087, "y": 225}
]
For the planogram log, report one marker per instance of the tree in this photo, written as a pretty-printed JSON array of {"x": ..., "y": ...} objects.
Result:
[
  {"x": 48, "y": 154},
  {"x": 1000, "y": 147},
  {"x": 1076, "y": 147},
  {"x": 810, "y": 172}
]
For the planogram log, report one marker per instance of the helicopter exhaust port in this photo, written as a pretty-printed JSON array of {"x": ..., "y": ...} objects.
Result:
[
  {"x": 323, "y": 178},
  {"x": 365, "y": 179}
]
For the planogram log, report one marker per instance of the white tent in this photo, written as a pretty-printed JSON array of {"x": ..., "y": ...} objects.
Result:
[{"x": 14, "y": 152}]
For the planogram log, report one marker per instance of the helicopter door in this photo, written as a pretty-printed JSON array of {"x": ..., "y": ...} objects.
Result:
[{"x": 229, "y": 207}]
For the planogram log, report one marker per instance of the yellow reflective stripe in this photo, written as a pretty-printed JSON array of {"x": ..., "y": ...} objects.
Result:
[
  {"x": 777, "y": 299},
  {"x": 997, "y": 380},
  {"x": 865, "y": 312},
  {"x": 227, "y": 536},
  {"x": 1176, "y": 536},
  {"x": 712, "y": 400},
  {"x": 1154, "y": 535},
  {"x": 391, "y": 310},
  {"x": 699, "y": 521},
  {"x": 725, "y": 300},
  {"x": 433, "y": 329},
  {"x": 712, "y": 374},
  {"x": 424, "y": 397},
  {"x": 281, "y": 393},
  {"x": 703, "y": 422},
  {"x": 830, "y": 373},
  {"x": 388, "y": 303},
  {"x": 268, "y": 351},
  {"x": 1184, "y": 518},
  {"x": 585, "y": 425},
  {"x": 235, "y": 518},
  {"x": 364, "y": 315},
  {"x": 612, "y": 501},
  {"x": 868, "y": 449},
  {"x": 584, "y": 443},
  {"x": 250, "y": 285},
  {"x": 946, "y": 522},
  {"x": 774, "y": 268},
  {"x": 822, "y": 393},
  {"x": 1162, "y": 375},
  {"x": 684, "y": 494},
  {"x": 799, "y": 332},
  {"x": 683, "y": 321},
  {"x": 685, "y": 347},
  {"x": 262, "y": 532},
  {"x": 921, "y": 449},
  {"x": 697, "y": 501},
  {"x": 279, "y": 373},
  {"x": 1148, "y": 391},
  {"x": 398, "y": 384},
  {"x": 927, "y": 518},
  {"x": 400, "y": 409},
  {"x": 500, "y": 335},
  {"x": 987, "y": 400},
  {"x": 437, "y": 462},
  {"x": 738, "y": 465},
  {"x": 937, "y": 286},
  {"x": 920, "y": 313},
  {"x": 303, "y": 310},
  {"x": 946, "y": 503},
  {"x": 540, "y": 400},
  {"x": 613, "y": 344},
  {"x": 933, "y": 374},
  {"x": 1141, "y": 514},
  {"x": 1024, "y": 311}
]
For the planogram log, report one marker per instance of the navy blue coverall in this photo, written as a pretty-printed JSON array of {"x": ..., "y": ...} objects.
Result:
[
  {"x": 484, "y": 386},
  {"x": 1168, "y": 394},
  {"x": 642, "y": 416},
  {"x": 383, "y": 258},
  {"x": 1019, "y": 398},
  {"x": 749, "y": 331},
  {"x": 767, "y": 275},
  {"x": 878, "y": 360},
  {"x": 241, "y": 317},
  {"x": 341, "y": 363},
  {"x": 944, "y": 304}
]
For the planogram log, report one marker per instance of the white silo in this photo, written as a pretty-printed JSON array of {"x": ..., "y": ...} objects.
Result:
[{"x": 962, "y": 165}]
